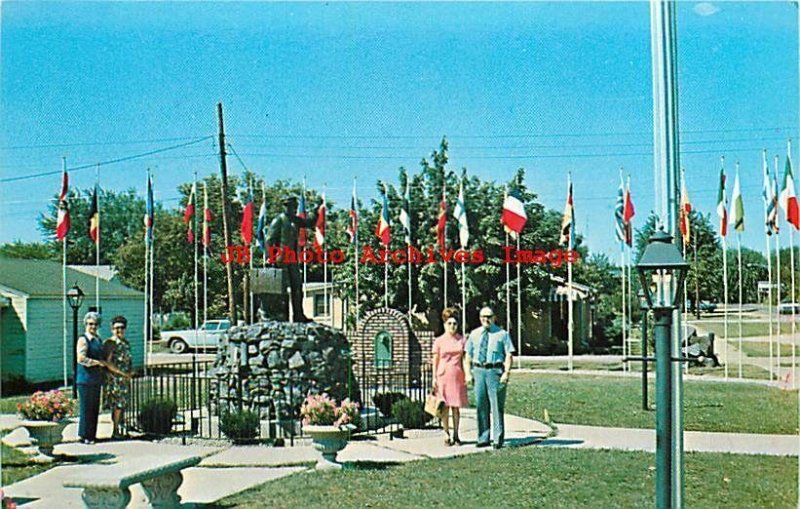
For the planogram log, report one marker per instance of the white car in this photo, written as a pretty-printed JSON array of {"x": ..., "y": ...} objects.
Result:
[{"x": 207, "y": 336}]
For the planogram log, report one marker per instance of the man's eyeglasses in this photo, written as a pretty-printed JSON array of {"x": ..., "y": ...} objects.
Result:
[
  {"x": 486, "y": 316},
  {"x": 91, "y": 324}
]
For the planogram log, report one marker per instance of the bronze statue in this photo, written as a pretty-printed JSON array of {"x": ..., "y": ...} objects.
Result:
[{"x": 283, "y": 233}]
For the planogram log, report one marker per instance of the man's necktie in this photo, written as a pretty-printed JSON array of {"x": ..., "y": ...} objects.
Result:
[{"x": 484, "y": 347}]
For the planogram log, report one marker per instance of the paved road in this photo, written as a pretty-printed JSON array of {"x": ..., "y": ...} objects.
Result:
[{"x": 171, "y": 358}]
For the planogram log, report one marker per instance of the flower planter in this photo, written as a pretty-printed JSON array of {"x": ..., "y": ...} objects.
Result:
[
  {"x": 328, "y": 440},
  {"x": 46, "y": 434}
]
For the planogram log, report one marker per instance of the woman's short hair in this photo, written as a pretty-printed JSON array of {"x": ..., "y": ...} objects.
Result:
[
  {"x": 449, "y": 313},
  {"x": 119, "y": 319},
  {"x": 92, "y": 315}
]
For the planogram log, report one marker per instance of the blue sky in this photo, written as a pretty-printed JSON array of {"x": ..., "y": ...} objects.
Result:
[{"x": 337, "y": 90}]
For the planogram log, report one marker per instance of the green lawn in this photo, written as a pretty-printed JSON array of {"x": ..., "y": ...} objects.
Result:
[
  {"x": 534, "y": 477},
  {"x": 8, "y": 405},
  {"x": 16, "y": 465},
  {"x": 617, "y": 402},
  {"x": 748, "y": 370},
  {"x": 749, "y": 329},
  {"x": 761, "y": 348}
]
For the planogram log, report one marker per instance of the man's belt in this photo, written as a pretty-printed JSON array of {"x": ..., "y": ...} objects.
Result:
[{"x": 488, "y": 365}]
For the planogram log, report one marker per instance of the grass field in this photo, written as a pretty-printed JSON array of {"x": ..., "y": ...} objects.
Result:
[
  {"x": 761, "y": 348},
  {"x": 617, "y": 402},
  {"x": 16, "y": 465},
  {"x": 534, "y": 477},
  {"x": 749, "y": 329}
]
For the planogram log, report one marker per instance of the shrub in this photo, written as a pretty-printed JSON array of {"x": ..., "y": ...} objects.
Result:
[
  {"x": 157, "y": 415},
  {"x": 240, "y": 426},
  {"x": 47, "y": 406},
  {"x": 385, "y": 400},
  {"x": 411, "y": 414}
]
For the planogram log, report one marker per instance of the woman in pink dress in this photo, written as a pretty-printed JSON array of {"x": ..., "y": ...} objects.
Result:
[{"x": 448, "y": 382}]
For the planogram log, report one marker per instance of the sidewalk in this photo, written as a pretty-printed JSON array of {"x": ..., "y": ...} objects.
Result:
[{"x": 226, "y": 471}]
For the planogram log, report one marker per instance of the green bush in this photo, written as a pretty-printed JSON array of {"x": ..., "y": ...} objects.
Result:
[
  {"x": 240, "y": 426},
  {"x": 156, "y": 416},
  {"x": 411, "y": 414},
  {"x": 385, "y": 400}
]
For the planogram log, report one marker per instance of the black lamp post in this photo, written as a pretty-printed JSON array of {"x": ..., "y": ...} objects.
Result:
[
  {"x": 645, "y": 308},
  {"x": 662, "y": 270},
  {"x": 75, "y": 298}
]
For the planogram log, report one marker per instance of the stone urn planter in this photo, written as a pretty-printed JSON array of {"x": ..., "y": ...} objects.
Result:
[
  {"x": 46, "y": 434},
  {"x": 328, "y": 440}
]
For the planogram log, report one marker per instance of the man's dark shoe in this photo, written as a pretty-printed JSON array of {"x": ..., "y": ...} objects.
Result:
[
  {"x": 496, "y": 446},
  {"x": 482, "y": 444}
]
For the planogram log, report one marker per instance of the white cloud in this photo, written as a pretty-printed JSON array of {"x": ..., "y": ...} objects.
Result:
[{"x": 706, "y": 9}]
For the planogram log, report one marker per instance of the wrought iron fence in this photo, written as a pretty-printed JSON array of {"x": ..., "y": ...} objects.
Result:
[{"x": 201, "y": 399}]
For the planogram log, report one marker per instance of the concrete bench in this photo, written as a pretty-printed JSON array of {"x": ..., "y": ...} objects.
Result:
[{"x": 107, "y": 486}]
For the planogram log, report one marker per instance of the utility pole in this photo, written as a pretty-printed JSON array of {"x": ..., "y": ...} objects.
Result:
[{"x": 226, "y": 214}]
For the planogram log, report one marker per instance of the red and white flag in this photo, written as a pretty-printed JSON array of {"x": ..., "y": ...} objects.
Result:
[
  {"x": 246, "y": 228},
  {"x": 188, "y": 214},
  {"x": 441, "y": 224},
  {"x": 63, "y": 221},
  {"x": 514, "y": 217},
  {"x": 319, "y": 231},
  {"x": 788, "y": 199}
]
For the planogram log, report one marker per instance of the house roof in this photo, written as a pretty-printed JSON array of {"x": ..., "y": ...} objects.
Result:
[
  {"x": 42, "y": 278},
  {"x": 107, "y": 272}
]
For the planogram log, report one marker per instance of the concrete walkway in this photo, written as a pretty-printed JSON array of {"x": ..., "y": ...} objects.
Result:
[{"x": 225, "y": 471}]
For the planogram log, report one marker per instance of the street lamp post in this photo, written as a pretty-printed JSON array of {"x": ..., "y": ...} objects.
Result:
[
  {"x": 662, "y": 270},
  {"x": 75, "y": 298},
  {"x": 645, "y": 308}
]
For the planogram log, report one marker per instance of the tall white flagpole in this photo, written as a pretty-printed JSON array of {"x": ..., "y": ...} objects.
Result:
[
  {"x": 305, "y": 265},
  {"x": 519, "y": 311},
  {"x": 205, "y": 258},
  {"x": 194, "y": 252},
  {"x": 97, "y": 244},
  {"x": 571, "y": 326},
  {"x": 739, "y": 254},
  {"x": 64, "y": 288},
  {"x": 408, "y": 245},
  {"x": 508, "y": 292},
  {"x": 152, "y": 285},
  {"x": 355, "y": 247},
  {"x": 145, "y": 334},
  {"x": 685, "y": 314},
  {"x": 778, "y": 308},
  {"x": 386, "y": 258},
  {"x": 325, "y": 259},
  {"x": 444, "y": 244},
  {"x": 725, "y": 299},
  {"x": 623, "y": 273},
  {"x": 252, "y": 247},
  {"x": 792, "y": 300},
  {"x": 767, "y": 233}
]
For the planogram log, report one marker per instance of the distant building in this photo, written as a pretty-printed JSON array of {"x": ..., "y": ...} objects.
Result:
[
  {"x": 32, "y": 317},
  {"x": 315, "y": 308}
]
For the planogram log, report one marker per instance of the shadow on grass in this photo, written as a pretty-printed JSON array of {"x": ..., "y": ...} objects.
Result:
[
  {"x": 559, "y": 442},
  {"x": 370, "y": 465}
]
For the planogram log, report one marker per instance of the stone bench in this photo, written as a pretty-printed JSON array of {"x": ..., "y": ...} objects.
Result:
[{"x": 107, "y": 486}]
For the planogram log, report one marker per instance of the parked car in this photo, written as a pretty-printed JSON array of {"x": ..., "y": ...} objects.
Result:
[
  {"x": 707, "y": 307},
  {"x": 789, "y": 308},
  {"x": 207, "y": 336}
]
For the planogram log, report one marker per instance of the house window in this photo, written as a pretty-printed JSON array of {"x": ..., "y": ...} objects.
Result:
[
  {"x": 319, "y": 305},
  {"x": 383, "y": 350}
]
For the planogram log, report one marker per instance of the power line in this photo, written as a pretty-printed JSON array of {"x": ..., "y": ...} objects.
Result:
[
  {"x": 104, "y": 163},
  {"x": 96, "y": 143}
]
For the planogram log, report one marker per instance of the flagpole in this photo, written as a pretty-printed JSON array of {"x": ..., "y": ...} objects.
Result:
[
  {"x": 444, "y": 244},
  {"x": 739, "y": 254},
  {"x": 206, "y": 226},
  {"x": 64, "y": 287},
  {"x": 792, "y": 300},
  {"x": 408, "y": 244},
  {"x": 97, "y": 244},
  {"x": 623, "y": 273},
  {"x": 778, "y": 308},
  {"x": 385, "y": 258},
  {"x": 630, "y": 300},
  {"x": 146, "y": 280},
  {"x": 325, "y": 259},
  {"x": 152, "y": 285},
  {"x": 252, "y": 250},
  {"x": 305, "y": 266},
  {"x": 519, "y": 310},
  {"x": 355, "y": 246},
  {"x": 768, "y": 198},
  {"x": 508, "y": 292},
  {"x": 725, "y": 300},
  {"x": 194, "y": 252},
  {"x": 686, "y": 314},
  {"x": 571, "y": 326}
]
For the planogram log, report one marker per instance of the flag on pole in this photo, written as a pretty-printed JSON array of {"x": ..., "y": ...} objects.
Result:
[
  {"x": 246, "y": 228},
  {"x": 262, "y": 221},
  {"x": 722, "y": 205},
  {"x": 568, "y": 222},
  {"x": 301, "y": 213},
  {"x": 513, "y": 217},
  {"x": 94, "y": 218},
  {"x": 619, "y": 213},
  {"x": 627, "y": 215},
  {"x": 737, "y": 206},
  {"x": 352, "y": 228},
  {"x": 319, "y": 231},
  {"x": 461, "y": 216},
  {"x": 405, "y": 213},
  {"x": 62, "y": 221},
  {"x": 770, "y": 199},
  {"x": 207, "y": 218},
  {"x": 685, "y": 210},
  {"x": 788, "y": 198},
  {"x": 188, "y": 214},
  {"x": 441, "y": 224},
  {"x": 149, "y": 212},
  {"x": 382, "y": 230}
]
